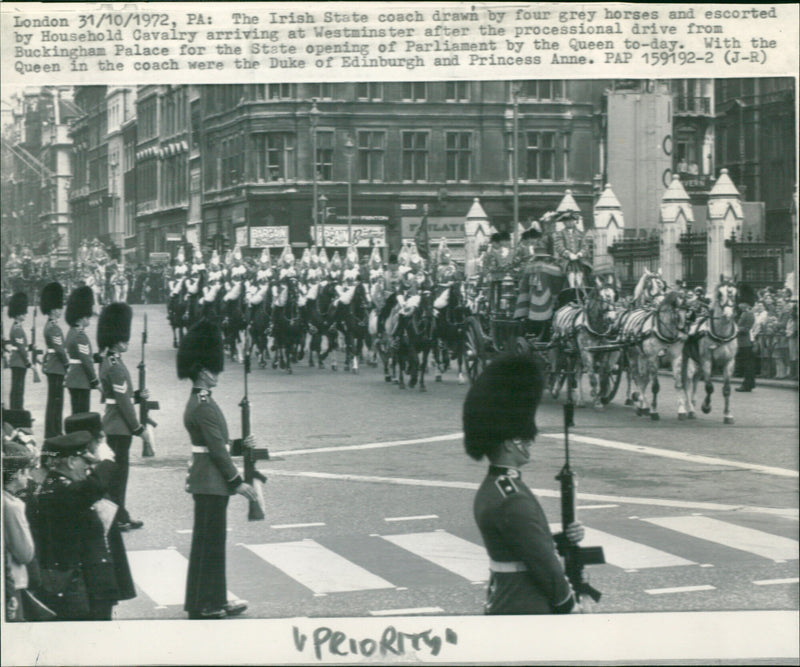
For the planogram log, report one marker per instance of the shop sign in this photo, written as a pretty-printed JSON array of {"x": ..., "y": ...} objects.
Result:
[
  {"x": 363, "y": 236},
  {"x": 273, "y": 236},
  {"x": 438, "y": 227}
]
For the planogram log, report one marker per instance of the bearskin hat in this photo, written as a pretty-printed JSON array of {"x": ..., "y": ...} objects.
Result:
[
  {"x": 52, "y": 297},
  {"x": 114, "y": 325},
  {"x": 200, "y": 348},
  {"x": 18, "y": 304},
  {"x": 501, "y": 404},
  {"x": 79, "y": 304},
  {"x": 533, "y": 232},
  {"x": 503, "y": 236}
]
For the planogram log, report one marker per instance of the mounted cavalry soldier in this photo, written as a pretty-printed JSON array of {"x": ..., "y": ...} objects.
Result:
[
  {"x": 81, "y": 376},
  {"x": 573, "y": 248},
  {"x": 56, "y": 360},
  {"x": 233, "y": 302},
  {"x": 19, "y": 361},
  {"x": 178, "y": 275},
  {"x": 120, "y": 422}
]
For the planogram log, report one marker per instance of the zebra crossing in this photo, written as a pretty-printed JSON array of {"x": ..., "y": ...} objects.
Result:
[{"x": 320, "y": 569}]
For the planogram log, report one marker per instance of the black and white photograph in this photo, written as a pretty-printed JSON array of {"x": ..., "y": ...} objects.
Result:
[{"x": 374, "y": 366}]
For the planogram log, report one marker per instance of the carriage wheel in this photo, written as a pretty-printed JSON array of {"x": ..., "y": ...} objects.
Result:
[
  {"x": 474, "y": 350},
  {"x": 610, "y": 383}
]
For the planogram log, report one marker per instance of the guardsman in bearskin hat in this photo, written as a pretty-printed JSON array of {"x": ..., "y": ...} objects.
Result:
[
  {"x": 81, "y": 377},
  {"x": 120, "y": 421},
  {"x": 56, "y": 359},
  {"x": 212, "y": 477},
  {"x": 75, "y": 528},
  {"x": 499, "y": 418},
  {"x": 19, "y": 362}
]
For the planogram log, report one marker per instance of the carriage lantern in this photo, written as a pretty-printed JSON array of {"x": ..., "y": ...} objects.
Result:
[{"x": 507, "y": 297}]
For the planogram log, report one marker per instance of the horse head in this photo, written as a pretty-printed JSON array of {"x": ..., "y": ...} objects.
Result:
[
  {"x": 672, "y": 314},
  {"x": 725, "y": 297}
]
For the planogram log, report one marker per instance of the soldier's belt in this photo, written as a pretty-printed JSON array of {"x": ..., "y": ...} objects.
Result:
[
  {"x": 110, "y": 401},
  {"x": 50, "y": 351},
  {"x": 75, "y": 361},
  {"x": 502, "y": 566},
  {"x": 202, "y": 449}
]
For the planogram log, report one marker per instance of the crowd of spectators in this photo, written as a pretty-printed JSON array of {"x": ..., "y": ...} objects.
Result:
[{"x": 774, "y": 334}]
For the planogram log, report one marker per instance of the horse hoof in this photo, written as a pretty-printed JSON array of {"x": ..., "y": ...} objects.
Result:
[
  {"x": 692, "y": 415},
  {"x": 333, "y": 368},
  {"x": 654, "y": 416},
  {"x": 387, "y": 378},
  {"x": 682, "y": 416},
  {"x": 639, "y": 412},
  {"x": 289, "y": 371},
  {"x": 628, "y": 402},
  {"x": 728, "y": 420},
  {"x": 438, "y": 378},
  {"x": 706, "y": 409}
]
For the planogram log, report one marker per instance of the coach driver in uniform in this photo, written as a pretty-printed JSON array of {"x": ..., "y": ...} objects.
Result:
[{"x": 527, "y": 576}]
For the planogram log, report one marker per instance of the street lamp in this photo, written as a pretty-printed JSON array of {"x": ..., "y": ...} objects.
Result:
[
  {"x": 515, "y": 90},
  {"x": 323, "y": 200},
  {"x": 314, "y": 117},
  {"x": 348, "y": 152}
]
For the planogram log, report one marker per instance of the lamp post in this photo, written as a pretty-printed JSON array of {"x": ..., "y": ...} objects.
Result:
[
  {"x": 314, "y": 119},
  {"x": 323, "y": 200},
  {"x": 348, "y": 152},
  {"x": 515, "y": 164}
]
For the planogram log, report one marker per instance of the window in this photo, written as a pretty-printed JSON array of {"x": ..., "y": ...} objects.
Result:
[
  {"x": 543, "y": 89},
  {"x": 274, "y": 156},
  {"x": 321, "y": 91},
  {"x": 540, "y": 156},
  {"x": 148, "y": 112},
  {"x": 369, "y": 90},
  {"x": 566, "y": 140},
  {"x": 280, "y": 91},
  {"x": 371, "y": 148},
  {"x": 456, "y": 91},
  {"x": 324, "y": 162},
  {"x": 128, "y": 154},
  {"x": 415, "y": 156},
  {"x": 130, "y": 217},
  {"x": 415, "y": 91},
  {"x": 146, "y": 181},
  {"x": 458, "y": 147}
]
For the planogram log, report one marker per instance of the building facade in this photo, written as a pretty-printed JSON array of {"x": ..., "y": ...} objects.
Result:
[
  {"x": 291, "y": 156},
  {"x": 120, "y": 109}
]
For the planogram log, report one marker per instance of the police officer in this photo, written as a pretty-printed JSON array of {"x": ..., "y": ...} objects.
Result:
[
  {"x": 74, "y": 523},
  {"x": 212, "y": 475},
  {"x": 81, "y": 377},
  {"x": 56, "y": 360},
  {"x": 19, "y": 361},
  {"x": 120, "y": 422},
  {"x": 499, "y": 412}
]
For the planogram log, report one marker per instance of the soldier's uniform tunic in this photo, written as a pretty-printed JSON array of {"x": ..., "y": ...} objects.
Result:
[
  {"x": 120, "y": 424},
  {"x": 526, "y": 574},
  {"x": 19, "y": 363},
  {"x": 56, "y": 361},
  {"x": 211, "y": 480},
  {"x": 81, "y": 377}
]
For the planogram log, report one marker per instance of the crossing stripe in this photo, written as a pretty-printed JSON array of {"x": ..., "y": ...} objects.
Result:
[
  {"x": 161, "y": 575},
  {"x": 459, "y": 556},
  {"x": 317, "y": 568},
  {"x": 627, "y": 554},
  {"x": 773, "y": 582},
  {"x": 672, "y": 454},
  {"x": 407, "y": 612},
  {"x": 679, "y": 589},
  {"x": 756, "y": 542}
]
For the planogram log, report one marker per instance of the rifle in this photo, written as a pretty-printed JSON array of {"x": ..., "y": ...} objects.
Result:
[
  {"x": 144, "y": 405},
  {"x": 33, "y": 350},
  {"x": 250, "y": 455},
  {"x": 575, "y": 557}
]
